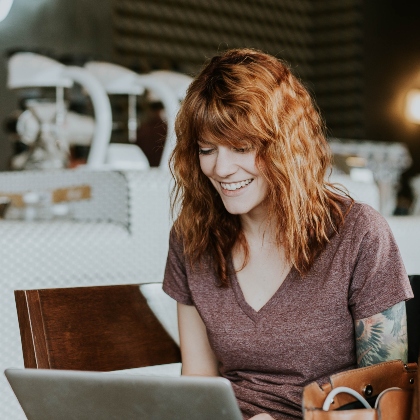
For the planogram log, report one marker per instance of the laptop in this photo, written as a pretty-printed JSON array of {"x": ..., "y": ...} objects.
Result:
[{"x": 46, "y": 394}]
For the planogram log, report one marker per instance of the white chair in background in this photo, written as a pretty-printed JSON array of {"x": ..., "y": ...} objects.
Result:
[
  {"x": 27, "y": 70},
  {"x": 117, "y": 80},
  {"x": 178, "y": 82},
  {"x": 165, "y": 86},
  {"x": 123, "y": 156},
  {"x": 5, "y": 6}
]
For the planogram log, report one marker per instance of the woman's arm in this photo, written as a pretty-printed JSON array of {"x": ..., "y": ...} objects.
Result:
[
  {"x": 197, "y": 356},
  {"x": 382, "y": 336}
]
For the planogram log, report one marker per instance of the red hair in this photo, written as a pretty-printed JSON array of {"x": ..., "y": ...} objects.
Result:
[{"x": 245, "y": 98}]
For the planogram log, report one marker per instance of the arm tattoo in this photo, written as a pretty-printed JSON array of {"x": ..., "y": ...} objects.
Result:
[{"x": 382, "y": 336}]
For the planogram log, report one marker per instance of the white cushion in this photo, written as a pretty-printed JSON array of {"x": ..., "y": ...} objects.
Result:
[
  {"x": 170, "y": 369},
  {"x": 163, "y": 306}
]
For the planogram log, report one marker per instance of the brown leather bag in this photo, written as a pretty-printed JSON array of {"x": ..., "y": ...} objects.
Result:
[
  {"x": 391, "y": 383},
  {"x": 415, "y": 411}
]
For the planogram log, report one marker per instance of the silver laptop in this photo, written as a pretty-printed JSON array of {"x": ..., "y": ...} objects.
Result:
[{"x": 64, "y": 394}]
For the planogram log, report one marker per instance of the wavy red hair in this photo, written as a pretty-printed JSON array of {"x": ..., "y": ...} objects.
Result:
[{"x": 246, "y": 98}]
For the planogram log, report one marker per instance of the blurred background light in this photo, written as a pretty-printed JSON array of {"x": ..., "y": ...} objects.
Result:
[
  {"x": 5, "y": 6},
  {"x": 412, "y": 110}
]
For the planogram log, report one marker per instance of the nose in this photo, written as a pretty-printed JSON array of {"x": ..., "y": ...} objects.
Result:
[{"x": 225, "y": 162}]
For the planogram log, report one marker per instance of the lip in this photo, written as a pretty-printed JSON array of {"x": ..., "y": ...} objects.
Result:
[{"x": 234, "y": 193}]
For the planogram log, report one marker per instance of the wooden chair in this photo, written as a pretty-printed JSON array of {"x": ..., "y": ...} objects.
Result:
[{"x": 100, "y": 328}]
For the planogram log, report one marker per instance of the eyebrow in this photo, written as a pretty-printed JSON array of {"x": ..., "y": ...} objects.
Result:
[{"x": 205, "y": 142}]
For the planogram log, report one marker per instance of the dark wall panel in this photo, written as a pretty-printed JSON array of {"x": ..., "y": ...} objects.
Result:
[
  {"x": 338, "y": 65},
  {"x": 322, "y": 40},
  {"x": 181, "y": 34}
]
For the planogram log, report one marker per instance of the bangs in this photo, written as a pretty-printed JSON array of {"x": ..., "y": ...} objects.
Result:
[{"x": 228, "y": 125}]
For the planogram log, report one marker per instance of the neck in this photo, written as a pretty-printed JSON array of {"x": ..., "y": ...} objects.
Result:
[{"x": 258, "y": 230}]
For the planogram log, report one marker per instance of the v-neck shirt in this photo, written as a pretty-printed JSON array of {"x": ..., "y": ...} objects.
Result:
[
  {"x": 240, "y": 297},
  {"x": 305, "y": 331}
]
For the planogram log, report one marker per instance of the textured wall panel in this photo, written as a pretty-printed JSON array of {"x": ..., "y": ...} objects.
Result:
[
  {"x": 322, "y": 40},
  {"x": 182, "y": 34},
  {"x": 337, "y": 68}
]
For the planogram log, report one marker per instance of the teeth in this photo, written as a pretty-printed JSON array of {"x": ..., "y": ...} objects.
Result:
[{"x": 235, "y": 185}]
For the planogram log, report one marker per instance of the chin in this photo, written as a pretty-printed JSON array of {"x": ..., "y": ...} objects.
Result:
[{"x": 236, "y": 210}]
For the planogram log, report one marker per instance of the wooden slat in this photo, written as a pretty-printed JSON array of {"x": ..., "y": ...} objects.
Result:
[
  {"x": 25, "y": 330},
  {"x": 32, "y": 332},
  {"x": 92, "y": 328}
]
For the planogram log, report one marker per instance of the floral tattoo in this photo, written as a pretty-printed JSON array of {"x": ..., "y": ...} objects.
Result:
[{"x": 382, "y": 336}]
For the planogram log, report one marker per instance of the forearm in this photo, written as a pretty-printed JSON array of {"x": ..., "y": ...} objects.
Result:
[{"x": 197, "y": 356}]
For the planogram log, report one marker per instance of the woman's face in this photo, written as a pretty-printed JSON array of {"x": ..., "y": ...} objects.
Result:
[{"x": 234, "y": 174}]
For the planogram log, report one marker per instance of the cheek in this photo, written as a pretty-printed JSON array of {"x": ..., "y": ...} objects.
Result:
[
  {"x": 262, "y": 186},
  {"x": 206, "y": 165},
  {"x": 250, "y": 164}
]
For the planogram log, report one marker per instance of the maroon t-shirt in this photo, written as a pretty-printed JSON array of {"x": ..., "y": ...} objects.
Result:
[{"x": 305, "y": 332}]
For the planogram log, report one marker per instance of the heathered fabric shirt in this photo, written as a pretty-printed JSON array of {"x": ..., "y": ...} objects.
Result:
[{"x": 305, "y": 332}]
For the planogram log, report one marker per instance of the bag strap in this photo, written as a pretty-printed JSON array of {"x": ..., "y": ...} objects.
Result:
[
  {"x": 415, "y": 413},
  {"x": 330, "y": 397},
  {"x": 368, "y": 381}
]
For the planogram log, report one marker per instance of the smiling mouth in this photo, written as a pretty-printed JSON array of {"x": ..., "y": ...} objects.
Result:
[{"x": 232, "y": 186}]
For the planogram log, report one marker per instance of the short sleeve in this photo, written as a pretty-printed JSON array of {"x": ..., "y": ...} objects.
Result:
[
  {"x": 175, "y": 281},
  {"x": 379, "y": 278}
]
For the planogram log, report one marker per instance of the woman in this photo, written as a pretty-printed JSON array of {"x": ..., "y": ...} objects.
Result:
[{"x": 280, "y": 278}]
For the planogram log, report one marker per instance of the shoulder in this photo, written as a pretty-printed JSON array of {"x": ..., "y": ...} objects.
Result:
[
  {"x": 175, "y": 239},
  {"x": 362, "y": 218},
  {"x": 178, "y": 252},
  {"x": 378, "y": 276},
  {"x": 367, "y": 238},
  {"x": 176, "y": 255},
  {"x": 175, "y": 281},
  {"x": 362, "y": 212}
]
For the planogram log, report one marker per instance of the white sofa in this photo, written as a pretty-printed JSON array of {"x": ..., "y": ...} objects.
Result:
[{"x": 119, "y": 236}]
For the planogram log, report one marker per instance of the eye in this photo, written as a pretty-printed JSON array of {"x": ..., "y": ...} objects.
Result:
[
  {"x": 205, "y": 150},
  {"x": 241, "y": 149}
]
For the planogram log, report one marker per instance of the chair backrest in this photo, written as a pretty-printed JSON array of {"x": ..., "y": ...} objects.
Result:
[{"x": 100, "y": 328}]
